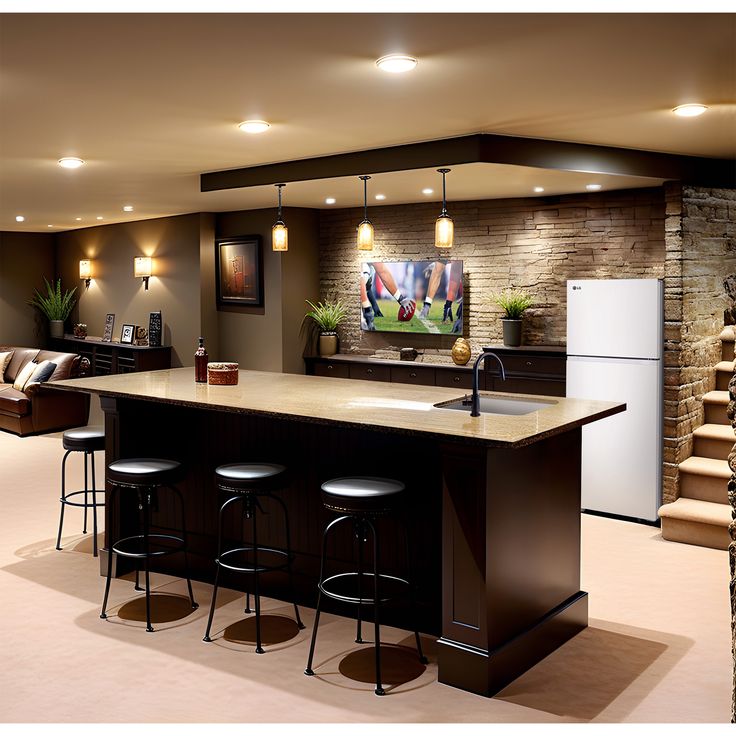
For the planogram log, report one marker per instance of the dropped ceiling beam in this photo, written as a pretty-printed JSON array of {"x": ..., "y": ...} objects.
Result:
[{"x": 483, "y": 148}]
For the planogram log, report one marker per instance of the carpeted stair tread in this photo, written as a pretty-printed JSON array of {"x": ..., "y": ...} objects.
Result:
[
  {"x": 720, "y": 432},
  {"x": 699, "y": 512},
  {"x": 727, "y": 366},
  {"x": 706, "y": 466},
  {"x": 728, "y": 334}
]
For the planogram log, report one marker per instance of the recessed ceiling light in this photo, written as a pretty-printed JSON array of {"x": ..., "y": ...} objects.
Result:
[
  {"x": 396, "y": 63},
  {"x": 330, "y": 200},
  {"x": 427, "y": 191},
  {"x": 70, "y": 162},
  {"x": 691, "y": 110},
  {"x": 538, "y": 189},
  {"x": 78, "y": 219},
  {"x": 593, "y": 187},
  {"x": 380, "y": 196},
  {"x": 254, "y": 126},
  {"x": 128, "y": 208},
  {"x": 99, "y": 218},
  {"x": 20, "y": 218}
]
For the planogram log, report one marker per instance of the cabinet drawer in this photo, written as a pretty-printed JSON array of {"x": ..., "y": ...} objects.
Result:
[
  {"x": 455, "y": 379},
  {"x": 336, "y": 370},
  {"x": 548, "y": 365},
  {"x": 412, "y": 374},
  {"x": 370, "y": 372}
]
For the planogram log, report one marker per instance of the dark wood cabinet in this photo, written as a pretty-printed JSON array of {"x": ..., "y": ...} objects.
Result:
[
  {"x": 535, "y": 370},
  {"x": 106, "y": 358}
]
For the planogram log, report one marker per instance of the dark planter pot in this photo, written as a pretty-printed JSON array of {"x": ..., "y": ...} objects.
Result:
[{"x": 511, "y": 332}]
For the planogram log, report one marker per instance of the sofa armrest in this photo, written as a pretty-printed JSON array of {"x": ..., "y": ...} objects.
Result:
[{"x": 51, "y": 408}]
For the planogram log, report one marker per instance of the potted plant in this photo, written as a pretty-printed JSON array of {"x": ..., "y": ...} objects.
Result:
[
  {"x": 514, "y": 303},
  {"x": 55, "y": 306},
  {"x": 327, "y": 316}
]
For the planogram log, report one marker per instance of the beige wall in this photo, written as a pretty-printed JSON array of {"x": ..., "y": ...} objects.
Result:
[
  {"x": 25, "y": 259},
  {"x": 268, "y": 338},
  {"x": 174, "y": 243}
]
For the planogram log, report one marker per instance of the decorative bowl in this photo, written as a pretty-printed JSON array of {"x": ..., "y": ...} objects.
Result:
[{"x": 222, "y": 374}]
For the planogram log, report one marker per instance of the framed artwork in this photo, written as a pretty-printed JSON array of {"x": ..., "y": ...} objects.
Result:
[
  {"x": 109, "y": 323},
  {"x": 126, "y": 335},
  {"x": 154, "y": 329},
  {"x": 239, "y": 271}
]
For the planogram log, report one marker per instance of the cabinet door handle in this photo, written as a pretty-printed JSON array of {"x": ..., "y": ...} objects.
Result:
[
  {"x": 329, "y": 367},
  {"x": 528, "y": 362},
  {"x": 370, "y": 371},
  {"x": 456, "y": 379},
  {"x": 413, "y": 374}
]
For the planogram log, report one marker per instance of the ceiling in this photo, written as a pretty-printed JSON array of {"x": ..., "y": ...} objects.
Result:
[{"x": 150, "y": 101}]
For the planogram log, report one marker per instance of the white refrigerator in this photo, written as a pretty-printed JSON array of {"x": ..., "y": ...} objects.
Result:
[{"x": 615, "y": 347}]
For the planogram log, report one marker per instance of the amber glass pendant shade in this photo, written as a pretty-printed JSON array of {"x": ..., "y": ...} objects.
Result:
[
  {"x": 444, "y": 232},
  {"x": 365, "y": 236},
  {"x": 280, "y": 237}
]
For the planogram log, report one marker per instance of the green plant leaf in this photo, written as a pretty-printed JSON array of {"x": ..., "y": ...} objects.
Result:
[
  {"x": 54, "y": 305},
  {"x": 514, "y": 302},
  {"x": 328, "y": 314}
]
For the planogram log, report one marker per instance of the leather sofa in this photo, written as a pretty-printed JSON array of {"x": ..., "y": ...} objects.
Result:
[{"x": 38, "y": 408}]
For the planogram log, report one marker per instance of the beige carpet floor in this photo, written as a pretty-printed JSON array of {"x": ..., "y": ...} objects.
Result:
[{"x": 657, "y": 649}]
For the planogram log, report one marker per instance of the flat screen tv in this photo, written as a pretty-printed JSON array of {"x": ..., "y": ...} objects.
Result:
[{"x": 412, "y": 296}]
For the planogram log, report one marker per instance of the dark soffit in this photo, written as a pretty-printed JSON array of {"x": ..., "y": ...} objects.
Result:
[{"x": 483, "y": 148}]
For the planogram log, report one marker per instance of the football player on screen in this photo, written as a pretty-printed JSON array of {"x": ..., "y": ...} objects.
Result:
[{"x": 407, "y": 306}]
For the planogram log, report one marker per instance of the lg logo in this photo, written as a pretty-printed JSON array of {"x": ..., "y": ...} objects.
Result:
[{"x": 577, "y": 288}]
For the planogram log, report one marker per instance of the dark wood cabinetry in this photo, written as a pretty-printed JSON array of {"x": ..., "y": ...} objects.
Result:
[
  {"x": 535, "y": 369},
  {"x": 106, "y": 358}
]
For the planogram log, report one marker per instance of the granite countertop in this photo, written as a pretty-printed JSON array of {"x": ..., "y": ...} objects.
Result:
[{"x": 394, "y": 407}]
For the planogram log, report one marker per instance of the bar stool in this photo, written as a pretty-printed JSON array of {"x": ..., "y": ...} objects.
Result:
[
  {"x": 361, "y": 500},
  {"x": 87, "y": 440},
  {"x": 251, "y": 482},
  {"x": 145, "y": 476}
]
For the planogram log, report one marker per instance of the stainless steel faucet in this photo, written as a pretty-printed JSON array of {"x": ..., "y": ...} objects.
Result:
[{"x": 475, "y": 400}]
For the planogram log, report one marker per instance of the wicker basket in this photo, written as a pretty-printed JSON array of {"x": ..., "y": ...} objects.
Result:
[{"x": 222, "y": 374}]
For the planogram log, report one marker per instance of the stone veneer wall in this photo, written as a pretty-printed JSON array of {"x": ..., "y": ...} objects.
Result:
[
  {"x": 700, "y": 241},
  {"x": 536, "y": 244}
]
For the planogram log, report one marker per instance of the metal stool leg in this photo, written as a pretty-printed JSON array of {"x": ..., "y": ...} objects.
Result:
[
  {"x": 360, "y": 533},
  {"x": 63, "y": 498},
  {"x": 376, "y": 608},
  {"x": 184, "y": 536},
  {"x": 110, "y": 553},
  {"x": 412, "y": 592},
  {"x": 86, "y": 491},
  {"x": 94, "y": 506},
  {"x": 256, "y": 595},
  {"x": 288, "y": 559},
  {"x": 146, "y": 552}
]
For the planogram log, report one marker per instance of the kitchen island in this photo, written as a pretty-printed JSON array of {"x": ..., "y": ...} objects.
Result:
[{"x": 493, "y": 502}]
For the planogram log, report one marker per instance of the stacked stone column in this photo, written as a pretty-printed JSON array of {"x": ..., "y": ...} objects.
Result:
[{"x": 731, "y": 411}]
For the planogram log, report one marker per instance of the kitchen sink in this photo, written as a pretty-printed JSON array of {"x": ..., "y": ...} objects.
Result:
[{"x": 493, "y": 405}]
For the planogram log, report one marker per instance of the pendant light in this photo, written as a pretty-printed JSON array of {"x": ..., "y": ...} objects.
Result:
[
  {"x": 279, "y": 232},
  {"x": 365, "y": 229},
  {"x": 444, "y": 227}
]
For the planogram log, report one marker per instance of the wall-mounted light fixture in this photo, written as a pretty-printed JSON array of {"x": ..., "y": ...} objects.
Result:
[
  {"x": 85, "y": 271},
  {"x": 365, "y": 229},
  {"x": 444, "y": 228},
  {"x": 279, "y": 231},
  {"x": 142, "y": 268}
]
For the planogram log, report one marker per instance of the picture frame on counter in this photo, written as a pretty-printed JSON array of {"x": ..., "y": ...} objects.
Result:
[
  {"x": 239, "y": 271},
  {"x": 127, "y": 334},
  {"x": 109, "y": 324}
]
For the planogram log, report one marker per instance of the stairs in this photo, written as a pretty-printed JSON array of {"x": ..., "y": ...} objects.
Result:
[{"x": 702, "y": 513}]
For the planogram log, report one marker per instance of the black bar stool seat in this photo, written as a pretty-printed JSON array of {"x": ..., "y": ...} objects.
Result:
[
  {"x": 145, "y": 476},
  {"x": 87, "y": 440},
  {"x": 366, "y": 494},
  {"x": 250, "y": 482}
]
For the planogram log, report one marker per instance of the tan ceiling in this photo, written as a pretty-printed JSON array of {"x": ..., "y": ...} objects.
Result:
[{"x": 151, "y": 101}]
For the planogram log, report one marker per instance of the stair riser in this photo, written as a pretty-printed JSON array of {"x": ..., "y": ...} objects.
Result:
[
  {"x": 727, "y": 350},
  {"x": 717, "y": 449},
  {"x": 703, "y": 488},
  {"x": 722, "y": 379},
  {"x": 715, "y": 414},
  {"x": 689, "y": 532}
]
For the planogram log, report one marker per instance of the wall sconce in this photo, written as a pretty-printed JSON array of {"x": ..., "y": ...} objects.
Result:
[
  {"x": 142, "y": 268},
  {"x": 85, "y": 271}
]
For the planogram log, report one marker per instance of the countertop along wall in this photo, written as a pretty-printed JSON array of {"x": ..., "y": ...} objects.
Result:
[
  {"x": 25, "y": 259},
  {"x": 536, "y": 244}
]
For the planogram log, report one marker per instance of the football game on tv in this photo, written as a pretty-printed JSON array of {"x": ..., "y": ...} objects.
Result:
[{"x": 412, "y": 296}]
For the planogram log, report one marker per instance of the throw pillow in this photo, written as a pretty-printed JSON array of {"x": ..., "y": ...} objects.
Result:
[
  {"x": 4, "y": 360},
  {"x": 42, "y": 373},
  {"x": 24, "y": 376}
]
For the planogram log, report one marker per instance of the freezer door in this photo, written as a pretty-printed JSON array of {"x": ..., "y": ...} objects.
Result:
[
  {"x": 618, "y": 318},
  {"x": 622, "y": 454}
]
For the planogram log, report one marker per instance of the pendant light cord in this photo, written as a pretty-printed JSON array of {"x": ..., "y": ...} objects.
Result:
[{"x": 279, "y": 188}]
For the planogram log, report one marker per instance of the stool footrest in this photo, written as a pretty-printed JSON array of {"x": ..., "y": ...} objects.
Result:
[
  {"x": 261, "y": 567},
  {"x": 152, "y": 538},
  {"x": 353, "y": 599},
  {"x": 66, "y": 498}
]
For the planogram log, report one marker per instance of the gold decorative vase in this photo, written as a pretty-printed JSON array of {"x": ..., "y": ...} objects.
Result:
[
  {"x": 328, "y": 343},
  {"x": 461, "y": 351}
]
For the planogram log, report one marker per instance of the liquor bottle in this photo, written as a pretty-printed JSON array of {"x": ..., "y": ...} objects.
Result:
[{"x": 200, "y": 363}]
